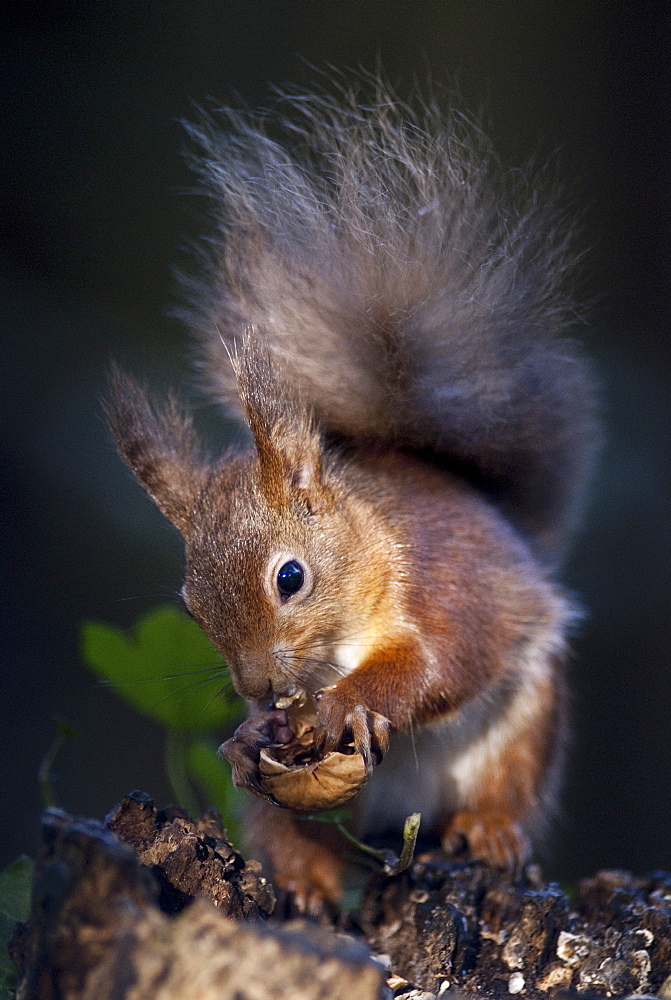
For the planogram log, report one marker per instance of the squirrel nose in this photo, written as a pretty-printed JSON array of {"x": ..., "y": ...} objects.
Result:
[{"x": 253, "y": 686}]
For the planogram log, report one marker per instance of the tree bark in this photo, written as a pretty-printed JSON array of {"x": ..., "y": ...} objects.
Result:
[{"x": 154, "y": 905}]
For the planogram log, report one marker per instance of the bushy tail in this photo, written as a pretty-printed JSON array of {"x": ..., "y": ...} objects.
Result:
[{"x": 412, "y": 291}]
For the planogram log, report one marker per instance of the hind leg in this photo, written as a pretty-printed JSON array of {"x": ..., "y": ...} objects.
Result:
[
  {"x": 507, "y": 780},
  {"x": 303, "y": 858}
]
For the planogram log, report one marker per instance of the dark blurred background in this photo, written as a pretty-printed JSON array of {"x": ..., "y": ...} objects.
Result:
[{"x": 96, "y": 211}]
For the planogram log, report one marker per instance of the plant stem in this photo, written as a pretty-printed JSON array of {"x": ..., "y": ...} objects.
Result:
[
  {"x": 391, "y": 864},
  {"x": 410, "y": 831},
  {"x": 176, "y": 750},
  {"x": 63, "y": 733}
]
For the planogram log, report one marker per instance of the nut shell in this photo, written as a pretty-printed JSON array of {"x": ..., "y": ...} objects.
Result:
[{"x": 327, "y": 783}]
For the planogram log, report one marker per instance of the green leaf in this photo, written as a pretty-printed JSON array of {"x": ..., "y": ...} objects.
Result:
[
  {"x": 167, "y": 669},
  {"x": 214, "y": 779},
  {"x": 16, "y": 883},
  {"x": 8, "y": 979},
  {"x": 7, "y": 967}
]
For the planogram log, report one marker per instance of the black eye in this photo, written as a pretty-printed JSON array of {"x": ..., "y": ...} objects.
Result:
[{"x": 290, "y": 578}]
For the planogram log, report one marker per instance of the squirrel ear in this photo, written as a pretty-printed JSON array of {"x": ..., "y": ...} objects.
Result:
[
  {"x": 287, "y": 442},
  {"x": 290, "y": 459},
  {"x": 159, "y": 445}
]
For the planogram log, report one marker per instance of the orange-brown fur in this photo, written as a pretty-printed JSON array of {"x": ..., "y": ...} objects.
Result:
[
  {"x": 308, "y": 855},
  {"x": 420, "y": 439}
]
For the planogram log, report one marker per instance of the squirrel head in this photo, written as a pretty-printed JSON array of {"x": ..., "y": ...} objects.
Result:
[{"x": 280, "y": 566}]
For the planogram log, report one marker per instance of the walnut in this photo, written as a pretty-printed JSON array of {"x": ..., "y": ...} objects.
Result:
[
  {"x": 313, "y": 786},
  {"x": 296, "y": 777}
]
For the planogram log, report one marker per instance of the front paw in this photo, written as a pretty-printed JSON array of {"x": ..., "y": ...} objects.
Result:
[
  {"x": 242, "y": 751},
  {"x": 340, "y": 723}
]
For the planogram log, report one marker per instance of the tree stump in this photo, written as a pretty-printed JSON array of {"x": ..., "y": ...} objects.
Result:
[{"x": 156, "y": 905}]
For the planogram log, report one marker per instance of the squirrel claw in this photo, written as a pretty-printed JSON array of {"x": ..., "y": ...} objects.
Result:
[
  {"x": 493, "y": 838},
  {"x": 242, "y": 749},
  {"x": 243, "y": 761},
  {"x": 339, "y": 724}
]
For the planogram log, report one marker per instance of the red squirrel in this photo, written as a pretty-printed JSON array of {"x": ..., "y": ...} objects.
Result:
[{"x": 386, "y": 309}]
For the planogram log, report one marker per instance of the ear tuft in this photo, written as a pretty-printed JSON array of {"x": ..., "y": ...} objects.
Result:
[
  {"x": 288, "y": 443},
  {"x": 159, "y": 445}
]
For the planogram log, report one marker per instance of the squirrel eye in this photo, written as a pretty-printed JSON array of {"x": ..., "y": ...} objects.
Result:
[{"x": 290, "y": 578}]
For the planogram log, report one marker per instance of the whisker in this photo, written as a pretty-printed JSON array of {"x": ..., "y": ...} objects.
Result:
[
  {"x": 160, "y": 595},
  {"x": 308, "y": 659},
  {"x": 334, "y": 642},
  {"x": 214, "y": 671},
  {"x": 309, "y": 672},
  {"x": 199, "y": 677},
  {"x": 185, "y": 688},
  {"x": 328, "y": 642},
  {"x": 217, "y": 694},
  {"x": 413, "y": 744},
  {"x": 347, "y": 641}
]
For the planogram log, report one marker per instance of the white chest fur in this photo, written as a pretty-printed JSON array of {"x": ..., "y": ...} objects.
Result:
[{"x": 438, "y": 770}]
